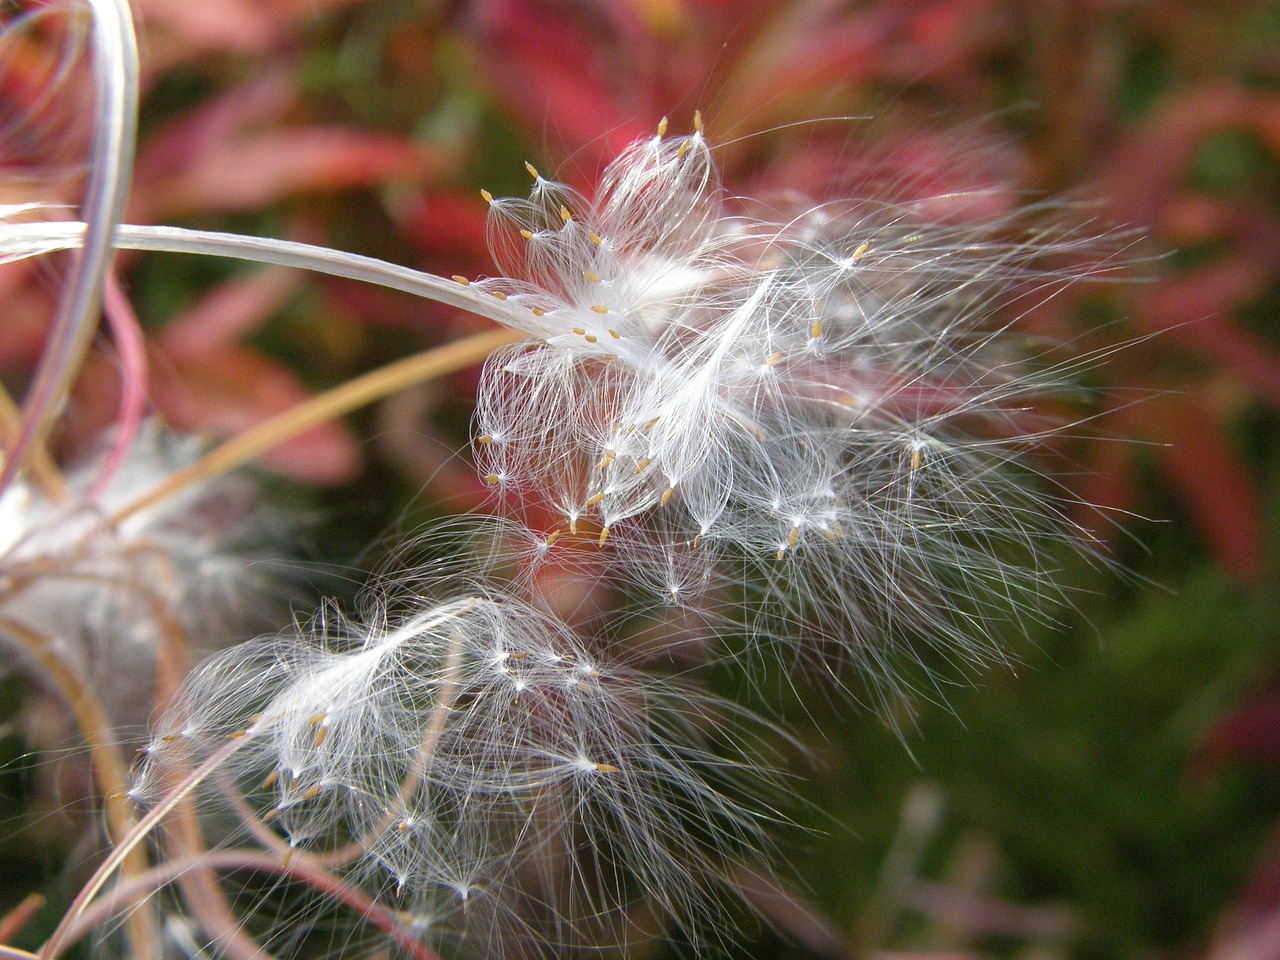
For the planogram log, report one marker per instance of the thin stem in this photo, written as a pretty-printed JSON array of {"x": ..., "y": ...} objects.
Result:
[
  {"x": 43, "y": 470},
  {"x": 327, "y": 406},
  {"x": 60, "y": 938},
  {"x": 11, "y": 923},
  {"x": 300, "y": 866},
  {"x": 132, "y": 350}
]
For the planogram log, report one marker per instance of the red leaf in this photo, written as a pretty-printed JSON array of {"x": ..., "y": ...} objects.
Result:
[
  {"x": 258, "y": 170},
  {"x": 1249, "y": 733},
  {"x": 224, "y": 392},
  {"x": 232, "y": 310},
  {"x": 1216, "y": 487},
  {"x": 1192, "y": 308}
]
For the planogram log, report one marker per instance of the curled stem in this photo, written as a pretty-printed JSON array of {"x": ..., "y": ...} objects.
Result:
[{"x": 115, "y": 68}]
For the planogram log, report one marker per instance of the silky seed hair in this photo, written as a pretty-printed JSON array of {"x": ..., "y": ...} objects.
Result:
[
  {"x": 831, "y": 402},
  {"x": 479, "y": 767}
]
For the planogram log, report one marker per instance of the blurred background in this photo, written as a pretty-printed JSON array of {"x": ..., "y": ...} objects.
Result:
[{"x": 1117, "y": 794}]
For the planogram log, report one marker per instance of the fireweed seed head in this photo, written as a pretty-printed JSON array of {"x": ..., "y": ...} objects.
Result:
[
  {"x": 831, "y": 404},
  {"x": 108, "y": 591},
  {"x": 476, "y": 767}
]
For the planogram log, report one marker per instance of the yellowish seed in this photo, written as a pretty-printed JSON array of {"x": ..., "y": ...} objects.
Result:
[
  {"x": 552, "y": 537},
  {"x": 666, "y": 496},
  {"x": 608, "y": 458},
  {"x": 596, "y": 238},
  {"x": 270, "y": 782},
  {"x": 565, "y": 215},
  {"x": 607, "y": 768},
  {"x": 462, "y": 280},
  {"x": 591, "y": 277},
  {"x": 579, "y": 332},
  {"x": 604, "y": 535},
  {"x": 643, "y": 465},
  {"x": 815, "y": 331},
  {"x": 697, "y": 121},
  {"x": 533, "y": 171},
  {"x": 862, "y": 250},
  {"x": 662, "y": 127},
  {"x": 649, "y": 425},
  {"x": 322, "y": 734},
  {"x": 793, "y": 537},
  {"x": 594, "y": 499},
  {"x": 684, "y": 148},
  {"x": 484, "y": 438},
  {"x": 527, "y": 234},
  {"x": 590, "y": 339},
  {"x": 537, "y": 311},
  {"x": 773, "y": 359},
  {"x": 492, "y": 479},
  {"x": 615, "y": 334},
  {"x": 599, "y": 309},
  {"x": 488, "y": 197},
  {"x": 498, "y": 295}
]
